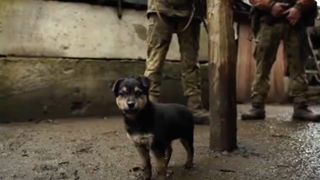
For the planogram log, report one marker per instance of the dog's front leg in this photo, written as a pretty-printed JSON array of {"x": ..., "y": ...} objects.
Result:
[
  {"x": 146, "y": 163},
  {"x": 168, "y": 154},
  {"x": 161, "y": 167}
]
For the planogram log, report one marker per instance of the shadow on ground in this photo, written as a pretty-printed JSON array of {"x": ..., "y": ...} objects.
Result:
[{"x": 98, "y": 148}]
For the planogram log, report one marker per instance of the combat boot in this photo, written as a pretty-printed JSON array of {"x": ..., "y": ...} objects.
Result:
[
  {"x": 303, "y": 113},
  {"x": 257, "y": 112},
  {"x": 154, "y": 99},
  {"x": 201, "y": 115}
]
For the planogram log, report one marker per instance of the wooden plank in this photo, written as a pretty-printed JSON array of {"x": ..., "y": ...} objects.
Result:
[{"x": 222, "y": 69}]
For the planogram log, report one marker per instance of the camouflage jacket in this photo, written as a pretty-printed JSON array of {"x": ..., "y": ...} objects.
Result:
[
  {"x": 267, "y": 4},
  {"x": 180, "y": 8}
]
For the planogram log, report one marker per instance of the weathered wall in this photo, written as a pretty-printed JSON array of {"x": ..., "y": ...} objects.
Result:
[
  {"x": 94, "y": 45},
  {"x": 58, "y": 29},
  {"x": 37, "y": 88}
]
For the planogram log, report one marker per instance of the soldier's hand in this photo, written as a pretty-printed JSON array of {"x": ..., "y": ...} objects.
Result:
[
  {"x": 293, "y": 15},
  {"x": 278, "y": 9}
]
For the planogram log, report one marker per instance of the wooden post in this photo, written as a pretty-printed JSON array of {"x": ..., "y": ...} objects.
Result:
[{"x": 222, "y": 72}]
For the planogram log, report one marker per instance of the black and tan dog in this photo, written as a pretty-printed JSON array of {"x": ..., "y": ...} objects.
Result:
[{"x": 153, "y": 126}]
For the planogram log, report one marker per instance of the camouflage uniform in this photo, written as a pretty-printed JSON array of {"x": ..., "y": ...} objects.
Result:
[
  {"x": 165, "y": 18},
  {"x": 268, "y": 40},
  {"x": 269, "y": 34}
]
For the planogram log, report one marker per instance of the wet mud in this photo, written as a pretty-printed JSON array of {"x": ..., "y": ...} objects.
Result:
[{"x": 97, "y": 148}]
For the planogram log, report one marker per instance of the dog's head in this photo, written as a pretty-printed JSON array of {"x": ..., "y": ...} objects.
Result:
[{"x": 131, "y": 94}]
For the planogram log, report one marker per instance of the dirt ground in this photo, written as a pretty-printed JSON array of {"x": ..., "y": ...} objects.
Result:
[{"x": 97, "y": 148}]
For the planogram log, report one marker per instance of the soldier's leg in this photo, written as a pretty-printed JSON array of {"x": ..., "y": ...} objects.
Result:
[
  {"x": 267, "y": 44},
  {"x": 191, "y": 80},
  {"x": 296, "y": 57},
  {"x": 295, "y": 45},
  {"x": 158, "y": 40}
]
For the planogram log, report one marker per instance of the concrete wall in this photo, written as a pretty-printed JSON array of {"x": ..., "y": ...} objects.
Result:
[
  {"x": 49, "y": 86},
  {"x": 58, "y": 29},
  {"x": 60, "y": 58},
  {"x": 37, "y": 88}
]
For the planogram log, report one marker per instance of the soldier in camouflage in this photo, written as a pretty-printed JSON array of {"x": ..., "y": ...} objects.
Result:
[
  {"x": 165, "y": 18},
  {"x": 280, "y": 20}
]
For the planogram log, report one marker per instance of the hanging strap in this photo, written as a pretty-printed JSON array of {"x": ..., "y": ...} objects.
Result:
[{"x": 189, "y": 19}]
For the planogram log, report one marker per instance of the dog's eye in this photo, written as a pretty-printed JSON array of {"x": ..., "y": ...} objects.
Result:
[{"x": 138, "y": 93}]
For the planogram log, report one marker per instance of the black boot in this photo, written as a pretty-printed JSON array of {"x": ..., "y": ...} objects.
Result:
[
  {"x": 200, "y": 114},
  {"x": 303, "y": 113},
  {"x": 257, "y": 112},
  {"x": 154, "y": 99}
]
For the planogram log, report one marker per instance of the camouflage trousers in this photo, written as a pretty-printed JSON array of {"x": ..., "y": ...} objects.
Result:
[
  {"x": 295, "y": 44},
  {"x": 159, "y": 35}
]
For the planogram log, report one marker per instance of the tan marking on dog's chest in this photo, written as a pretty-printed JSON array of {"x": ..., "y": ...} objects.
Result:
[{"x": 141, "y": 139}]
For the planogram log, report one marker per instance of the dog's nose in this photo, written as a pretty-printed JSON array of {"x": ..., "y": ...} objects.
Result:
[{"x": 130, "y": 104}]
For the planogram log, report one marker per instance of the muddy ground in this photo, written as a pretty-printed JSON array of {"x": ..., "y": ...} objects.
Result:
[{"x": 97, "y": 148}]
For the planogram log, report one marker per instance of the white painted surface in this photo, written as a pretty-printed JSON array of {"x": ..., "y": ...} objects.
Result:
[{"x": 57, "y": 29}]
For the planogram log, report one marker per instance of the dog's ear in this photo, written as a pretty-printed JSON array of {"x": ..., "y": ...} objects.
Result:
[
  {"x": 145, "y": 82},
  {"x": 115, "y": 86}
]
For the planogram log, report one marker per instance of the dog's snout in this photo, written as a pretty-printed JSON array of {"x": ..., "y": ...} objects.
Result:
[{"x": 130, "y": 104}]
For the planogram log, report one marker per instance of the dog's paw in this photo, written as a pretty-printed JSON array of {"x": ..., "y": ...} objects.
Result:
[
  {"x": 169, "y": 173},
  {"x": 167, "y": 176},
  {"x": 141, "y": 173}
]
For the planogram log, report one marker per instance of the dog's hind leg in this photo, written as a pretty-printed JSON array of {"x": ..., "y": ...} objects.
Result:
[
  {"x": 146, "y": 163},
  {"x": 188, "y": 145},
  {"x": 168, "y": 154}
]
